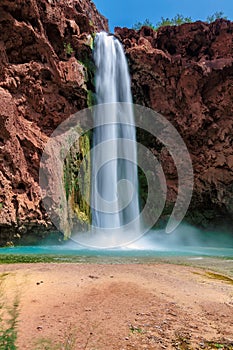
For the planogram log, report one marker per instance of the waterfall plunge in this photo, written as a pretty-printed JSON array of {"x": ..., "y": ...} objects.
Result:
[{"x": 114, "y": 198}]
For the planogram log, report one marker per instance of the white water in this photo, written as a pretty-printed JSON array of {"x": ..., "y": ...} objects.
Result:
[{"x": 114, "y": 198}]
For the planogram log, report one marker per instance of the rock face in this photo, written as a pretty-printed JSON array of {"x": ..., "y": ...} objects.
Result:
[
  {"x": 45, "y": 47},
  {"x": 186, "y": 74}
]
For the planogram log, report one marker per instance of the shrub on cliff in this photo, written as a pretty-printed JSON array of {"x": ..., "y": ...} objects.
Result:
[
  {"x": 216, "y": 15},
  {"x": 175, "y": 21},
  {"x": 139, "y": 25}
]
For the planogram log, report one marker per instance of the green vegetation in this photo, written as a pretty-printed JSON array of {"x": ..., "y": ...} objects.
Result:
[
  {"x": 47, "y": 344},
  {"x": 16, "y": 259},
  {"x": 91, "y": 99},
  {"x": 215, "y": 345},
  {"x": 182, "y": 341},
  {"x": 147, "y": 23},
  {"x": 77, "y": 180},
  {"x": 68, "y": 49},
  {"x": 89, "y": 66},
  {"x": 8, "y": 322},
  {"x": 175, "y": 21},
  {"x": 216, "y": 15},
  {"x": 134, "y": 329}
]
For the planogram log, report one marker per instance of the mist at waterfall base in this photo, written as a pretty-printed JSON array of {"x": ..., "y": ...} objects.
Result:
[{"x": 185, "y": 241}]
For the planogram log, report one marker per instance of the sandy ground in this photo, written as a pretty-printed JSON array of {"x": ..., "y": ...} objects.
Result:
[{"x": 120, "y": 307}]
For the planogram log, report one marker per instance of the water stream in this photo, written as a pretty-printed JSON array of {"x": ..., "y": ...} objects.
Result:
[{"x": 114, "y": 199}]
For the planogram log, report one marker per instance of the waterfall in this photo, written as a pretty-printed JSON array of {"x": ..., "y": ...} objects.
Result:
[{"x": 114, "y": 197}]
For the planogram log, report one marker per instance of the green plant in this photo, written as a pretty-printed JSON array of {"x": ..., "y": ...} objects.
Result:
[
  {"x": 139, "y": 25},
  {"x": 224, "y": 345},
  {"x": 175, "y": 21},
  {"x": 47, "y": 344},
  {"x": 91, "y": 100},
  {"x": 8, "y": 324},
  {"x": 216, "y": 15},
  {"x": 68, "y": 49},
  {"x": 134, "y": 329},
  {"x": 77, "y": 177},
  {"x": 182, "y": 340}
]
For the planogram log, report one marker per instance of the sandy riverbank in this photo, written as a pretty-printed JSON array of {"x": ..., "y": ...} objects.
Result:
[{"x": 128, "y": 306}]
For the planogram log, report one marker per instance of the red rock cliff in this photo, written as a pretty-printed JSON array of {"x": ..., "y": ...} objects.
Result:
[
  {"x": 42, "y": 81},
  {"x": 186, "y": 74}
]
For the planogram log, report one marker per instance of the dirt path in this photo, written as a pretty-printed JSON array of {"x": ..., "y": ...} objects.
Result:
[{"x": 120, "y": 307}]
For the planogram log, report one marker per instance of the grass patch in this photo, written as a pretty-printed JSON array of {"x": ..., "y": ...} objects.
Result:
[
  {"x": 224, "y": 345},
  {"x": 16, "y": 259}
]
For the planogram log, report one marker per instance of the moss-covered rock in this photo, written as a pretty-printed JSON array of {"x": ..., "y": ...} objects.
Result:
[{"x": 77, "y": 183}]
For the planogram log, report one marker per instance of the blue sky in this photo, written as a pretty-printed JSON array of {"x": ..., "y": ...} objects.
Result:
[{"x": 125, "y": 13}]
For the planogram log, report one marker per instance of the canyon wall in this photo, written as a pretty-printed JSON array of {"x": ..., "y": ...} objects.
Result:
[
  {"x": 45, "y": 76},
  {"x": 185, "y": 73}
]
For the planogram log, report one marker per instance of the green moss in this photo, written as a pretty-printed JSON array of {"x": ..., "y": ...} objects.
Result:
[
  {"x": 89, "y": 65},
  {"x": 68, "y": 49},
  {"x": 91, "y": 100},
  {"x": 77, "y": 164},
  {"x": 77, "y": 182},
  {"x": 28, "y": 259}
]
